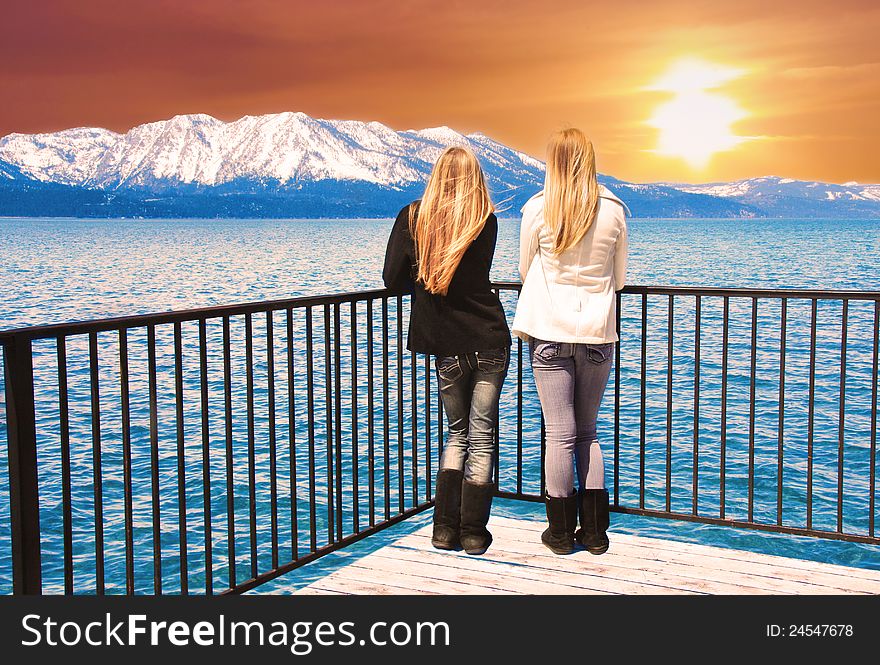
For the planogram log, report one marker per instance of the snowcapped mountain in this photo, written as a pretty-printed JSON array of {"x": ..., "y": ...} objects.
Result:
[
  {"x": 293, "y": 165},
  {"x": 769, "y": 186},
  {"x": 281, "y": 149},
  {"x": 786, "y": 196}
]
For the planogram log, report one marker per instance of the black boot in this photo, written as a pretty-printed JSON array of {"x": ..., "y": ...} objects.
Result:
[
  {"x": 447, "y": 509},
  {"x": 595, "y": 519},
  {"x": 562, "y": 515},
  {"x": 476, "y": 502}
]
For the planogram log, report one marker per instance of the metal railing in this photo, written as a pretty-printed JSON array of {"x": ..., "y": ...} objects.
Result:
[
  {"x": 779, "y": 360},
  {"x": 212, "y": 450},
  {"x": 231, "y": 444},
  {"x": 752, "y": 408}
]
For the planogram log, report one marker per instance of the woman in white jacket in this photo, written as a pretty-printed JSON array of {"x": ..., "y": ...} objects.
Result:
[{"x": 573, "y": 254}]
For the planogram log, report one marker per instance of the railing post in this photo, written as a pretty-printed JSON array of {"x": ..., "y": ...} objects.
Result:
[{"x": 24, "y": 501}]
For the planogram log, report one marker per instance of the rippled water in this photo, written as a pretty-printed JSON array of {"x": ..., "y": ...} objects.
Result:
[{"x": 62, "y": 270}]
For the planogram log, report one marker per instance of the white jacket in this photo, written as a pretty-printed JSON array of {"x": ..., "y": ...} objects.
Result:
[{"x": 570, "y": 297}]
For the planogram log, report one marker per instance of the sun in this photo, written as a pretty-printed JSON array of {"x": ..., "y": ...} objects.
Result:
[{"x": 697, "y": 122}]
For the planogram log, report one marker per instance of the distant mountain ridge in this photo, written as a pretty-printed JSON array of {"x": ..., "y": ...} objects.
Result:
[
  {"x": 796, "y": 198},
  {"x": 293, "y": 165}
]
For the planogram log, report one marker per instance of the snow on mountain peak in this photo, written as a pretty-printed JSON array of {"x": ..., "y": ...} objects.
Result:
[
  {"x": 443, "y": 135},
  {"x": 199, "y": 149},
  {"x": 785, "y": 189}
]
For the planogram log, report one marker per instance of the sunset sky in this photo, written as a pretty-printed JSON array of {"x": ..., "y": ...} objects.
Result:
[{"x": 668, "y": 90}]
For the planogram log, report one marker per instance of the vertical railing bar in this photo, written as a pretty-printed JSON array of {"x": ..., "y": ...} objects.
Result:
[
  {"x": 811, "y": 410},
  {"x": 754, "y": 360},
  {"x": 251, "y": 440},
  {"x": 273, "y": 452},
  {"x": 643, "y": 398},
  {"x": 783, "y": 322},
  {"x": 337, "y": 385},
  {"x": 414, "y": 427},
  {"x": 24, "y": 498},
  {"x": 126, "y": 460},
  {"x": 841, "y": 414},
  {"x": 616, "y": 410},
  {"x": 291, "y": 438},
  {"x": 873, "y": 464},
  {"x": 670, "y": 332},
  {"x": 328, "y": 404},
  {"x": 355, "y": 513},
  {"x": 386, "y": 405},
  {"x": 66, "y": 505},
  {"x": 97, "y": 473},
  {"x": 181, "y": 457},
  {"x": 440, "y": 414},
  {"x": 519, "y": 416},
  {"x": 400, "y": 483},
  {"x": 230, "y": 478},
  {"x": 371, "y": 424},
  {"x": 428, "y": 484},
  {"x": 697, "y": 358},
  {"x": 154, "y": 460},
  {"x": 310, "y": 397},
  {"x": 725, "y": 341},
  {"x": 206, "y": 457},
  {"x": 544, "y": 455}
]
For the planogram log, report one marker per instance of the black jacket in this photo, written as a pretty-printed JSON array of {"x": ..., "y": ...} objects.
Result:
[{"x": 469, "y": 317}]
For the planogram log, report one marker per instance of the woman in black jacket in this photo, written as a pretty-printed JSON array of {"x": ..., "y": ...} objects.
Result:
[{"x": 441, "y": 250}]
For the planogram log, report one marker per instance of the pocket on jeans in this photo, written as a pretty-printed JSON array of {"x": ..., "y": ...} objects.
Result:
[
  {"x": 493, "y": 361},
  {"x": 600, "y": 353},
  {"x": 448, "y": 367},
  {"x": 546, "y": 350}
]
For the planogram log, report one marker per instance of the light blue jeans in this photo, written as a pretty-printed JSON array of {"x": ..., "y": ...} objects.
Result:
[
  {"x": 470, "y": 388},
  {"x": 571, "y": 380}
]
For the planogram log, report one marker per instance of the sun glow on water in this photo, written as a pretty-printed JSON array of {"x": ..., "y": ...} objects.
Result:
[{"x": 697, "y": 122}]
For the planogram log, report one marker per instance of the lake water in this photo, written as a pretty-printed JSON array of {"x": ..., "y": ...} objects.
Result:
[{"x": 63, "y": 270}]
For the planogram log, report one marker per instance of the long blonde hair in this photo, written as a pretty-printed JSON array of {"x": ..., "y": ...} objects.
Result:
[
  {"x": 451, "y": 215},
  {"x": 571, "y": 191}
]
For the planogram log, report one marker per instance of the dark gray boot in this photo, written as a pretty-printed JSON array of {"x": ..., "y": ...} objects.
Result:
[
  {"x": 476, "y": 502},
  {"x": 595, "y": 519},
  {"x": 447, "y": 509},
  {"x": 562, "y": 515}
]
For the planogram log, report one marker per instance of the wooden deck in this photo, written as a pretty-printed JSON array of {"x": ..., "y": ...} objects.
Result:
[{"x": 517, "y": 563}]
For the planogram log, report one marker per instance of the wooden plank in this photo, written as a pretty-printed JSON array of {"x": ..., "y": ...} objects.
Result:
[
  {"x": 765, "y": 574},
  {"x": 697, "y": 569},
  {"x": 829, "y": 582},
  {"x": 622, "y": 572},
  {"x": 346, "y": 585},
  {"x": 661, "y": 544},
  {"x": 317, "y": 590},
  {"x": 581, "y": 582},
  {"x": 395, "y": 563},
  {"x": 406, "y": 582}
]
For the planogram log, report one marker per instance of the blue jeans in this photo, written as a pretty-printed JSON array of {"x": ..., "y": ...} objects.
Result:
[
  {"x": 571, "y": 380},
  {"x": 470, "y": 387}
]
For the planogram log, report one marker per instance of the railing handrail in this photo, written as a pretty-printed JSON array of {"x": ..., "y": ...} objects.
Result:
[
  {"x": 739, "y": 292},
  {"x": 182, "y": 315},
  {"x": 196, "y": 314}
]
